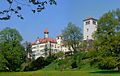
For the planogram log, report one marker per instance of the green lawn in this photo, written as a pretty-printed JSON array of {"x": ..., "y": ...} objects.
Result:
[{"x": 59, "y": 73}]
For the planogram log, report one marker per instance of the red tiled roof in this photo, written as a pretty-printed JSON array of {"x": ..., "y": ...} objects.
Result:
[
  {"x": 43, "y": 40},
  {"x": 33, "y": 43},
  {"x": 46, "y": 30}
]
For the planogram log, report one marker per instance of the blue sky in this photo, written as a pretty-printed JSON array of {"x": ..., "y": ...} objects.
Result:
[{"x": 56, "y": 17}]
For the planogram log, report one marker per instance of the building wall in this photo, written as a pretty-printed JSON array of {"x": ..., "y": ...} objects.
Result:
[
  {"x": 39, "y": 49},
  {"x": 89, "y": 29}
]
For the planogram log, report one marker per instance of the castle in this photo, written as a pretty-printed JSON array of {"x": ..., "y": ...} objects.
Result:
[{"x": 46, "y": 46}]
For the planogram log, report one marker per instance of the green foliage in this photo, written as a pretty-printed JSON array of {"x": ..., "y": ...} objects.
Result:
[
  {"x": 50, "y": 59},
  {"x": 39, "y": 63},
  {"x": 74, "y": 65},
  {"x": 61, "y": 62},
  {"x": 107, "y": 41},
  {"x": 79, "y": 59},
  {"x": 60, "y": 55},
  {"x": 72, "y": 36},
  {"x": 107, "y": 63},
  {"x": 9, "y": 35},
  {"x": 12, "y": 52},
  {"x": 83, "y": 46},
  {"x": 3, "y": 62}
]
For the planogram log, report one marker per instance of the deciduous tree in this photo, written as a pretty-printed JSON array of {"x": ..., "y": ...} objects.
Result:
[
  {"x": 72, "y": 36},
  {"x": 107, "y": 41},
  {"x": 11, "y": 50}
]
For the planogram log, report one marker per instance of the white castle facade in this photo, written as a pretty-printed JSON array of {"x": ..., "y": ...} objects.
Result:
[{"x": 45, "y": 46}]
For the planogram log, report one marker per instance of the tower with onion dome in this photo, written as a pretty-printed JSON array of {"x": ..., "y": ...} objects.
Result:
[{"x": 46, "y": 33}]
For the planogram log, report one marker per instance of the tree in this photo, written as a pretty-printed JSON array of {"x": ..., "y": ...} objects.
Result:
[
  {"x": 72, "y": 36},
  {"x": 39, "y": 63},
  {"x": 60, "y": 55},
  {"x": 11, "y": 50},
  {"x": 28, "y": 50},
  {"x": 61, "y": 64},
  {"x": 3, "y": 62},
  {"x": 49, "y": 59},
  {"x": 107, "y": 41},
  {"x": 15, "y": 6}
]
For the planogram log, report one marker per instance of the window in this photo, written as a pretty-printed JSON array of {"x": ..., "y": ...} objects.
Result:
[
  {"x": 34, "y": 52},
  {"x": 34, "y": 47},
  {"x": 42, "y": 46},
  {"x": 94, "y": 22},
  {"x": 87, "y": 30},
  {"x": 52, "y": 45},
  {"x": 87, "y": 37},
  {"x": 87, "y": 22}
]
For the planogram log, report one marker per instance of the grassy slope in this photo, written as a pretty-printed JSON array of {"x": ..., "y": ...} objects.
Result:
[
  {"x": 54, "y": 66},
  {"x": 59, "y": 73},
  {"x": 49, "y": 70}
]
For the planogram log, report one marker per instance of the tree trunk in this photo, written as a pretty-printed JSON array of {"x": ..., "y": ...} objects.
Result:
[
  {"x": 62, "y": 67},
  {"x": 118, "y": 68}
]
